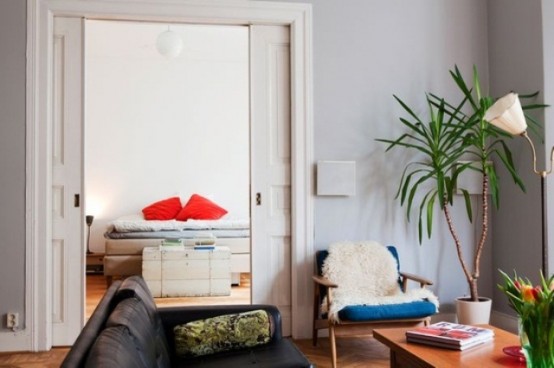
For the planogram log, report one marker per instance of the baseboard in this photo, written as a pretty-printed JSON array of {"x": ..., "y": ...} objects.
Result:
[
  {"x": 446, "y": 317},
  {"x": 504, "y": 321},
  {"x": 15, "y": 341}
]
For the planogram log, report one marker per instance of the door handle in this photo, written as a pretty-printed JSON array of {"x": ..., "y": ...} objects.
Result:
[
  {"x": 76, "y": 200},
  {"x": 258, "y": 199}
]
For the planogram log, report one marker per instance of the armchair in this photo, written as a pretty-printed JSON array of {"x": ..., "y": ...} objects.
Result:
[{"x": 392, "y": 305}]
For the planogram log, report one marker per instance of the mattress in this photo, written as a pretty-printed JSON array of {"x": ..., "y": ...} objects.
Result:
[
  {"x": 183, "y": 234},
  {"x": 136, "y": 227}
]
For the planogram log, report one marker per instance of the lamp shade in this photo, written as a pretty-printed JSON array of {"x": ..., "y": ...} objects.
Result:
[
  {"x": 169, "y": 44},
  {"x": 506, "y": 114}
]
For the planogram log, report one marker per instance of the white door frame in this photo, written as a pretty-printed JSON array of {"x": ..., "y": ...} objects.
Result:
[{"x": 40, "y": 14}]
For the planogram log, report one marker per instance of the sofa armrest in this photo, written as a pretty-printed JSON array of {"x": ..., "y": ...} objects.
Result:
[
  {"x": 79, "y": 350},
  {"x": 173, "y": 316}
]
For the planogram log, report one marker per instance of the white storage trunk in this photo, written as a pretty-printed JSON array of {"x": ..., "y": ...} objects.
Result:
[{"x": 174, "y": 271}]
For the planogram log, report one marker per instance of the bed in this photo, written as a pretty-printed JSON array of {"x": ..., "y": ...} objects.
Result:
[{"x": 127, "y": 236}]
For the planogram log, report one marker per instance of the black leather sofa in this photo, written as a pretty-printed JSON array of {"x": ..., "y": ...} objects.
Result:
[{"x": 128, "y": 330}]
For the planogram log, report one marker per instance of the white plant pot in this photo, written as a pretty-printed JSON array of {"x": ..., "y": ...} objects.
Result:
[{"x": 473, "y": 313}]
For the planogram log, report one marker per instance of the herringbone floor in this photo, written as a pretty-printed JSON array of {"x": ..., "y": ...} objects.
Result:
[{"x": 352, "y": 352}]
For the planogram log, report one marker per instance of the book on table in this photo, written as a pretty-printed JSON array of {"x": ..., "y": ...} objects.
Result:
[
  {"x": 171, "y": 242},
  {"x": 450, "y": 335},
  {"x": 201, "y": 240},
  {"x": 204, "y": 247}
]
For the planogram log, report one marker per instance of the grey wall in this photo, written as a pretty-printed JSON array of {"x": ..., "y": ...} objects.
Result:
[
  {"x": 364, "y": 52},
  {"x": 516, "y": 64},
  {"x": 548, "y": 61},
  {"x": 12, "y": 158}
]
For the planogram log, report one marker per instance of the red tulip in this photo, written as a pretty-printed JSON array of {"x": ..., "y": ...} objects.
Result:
[
  {"x": 536, "y": 292},
  {"x": 528, "y": 293}
]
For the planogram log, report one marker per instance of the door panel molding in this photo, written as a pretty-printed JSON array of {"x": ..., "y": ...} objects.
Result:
[
  {"x": 68, "y": 271},
  {"x": 40, "y": 13},
  {"x": 270, "y": 159}
]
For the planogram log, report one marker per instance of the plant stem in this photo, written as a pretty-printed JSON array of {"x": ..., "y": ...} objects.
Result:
[
  {"x": 484, "y": 227},
  {"x": 471, "y": 280}
]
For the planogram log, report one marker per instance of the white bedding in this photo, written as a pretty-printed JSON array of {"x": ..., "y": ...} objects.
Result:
[{"x": 134, "y": 223}]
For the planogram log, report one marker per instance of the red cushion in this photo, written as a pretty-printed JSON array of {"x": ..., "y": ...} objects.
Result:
[
  {"x": 200, "y": 208},
  {"x": 163, "y": 210}
]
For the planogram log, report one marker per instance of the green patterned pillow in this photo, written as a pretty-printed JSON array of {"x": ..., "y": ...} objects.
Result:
[{"x": 223, "y": 333}]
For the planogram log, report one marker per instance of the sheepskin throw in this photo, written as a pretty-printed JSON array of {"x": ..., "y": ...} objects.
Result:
[{"x": 366, "y": 274}]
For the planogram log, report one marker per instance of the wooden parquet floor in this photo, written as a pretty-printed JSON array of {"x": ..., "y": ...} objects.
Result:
[
  {"x": 352, "y": 352},
  {"x": 96, "y": 287}
]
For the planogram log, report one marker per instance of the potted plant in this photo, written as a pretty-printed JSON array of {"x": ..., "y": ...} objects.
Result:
[{"x": 453, "y": 134}]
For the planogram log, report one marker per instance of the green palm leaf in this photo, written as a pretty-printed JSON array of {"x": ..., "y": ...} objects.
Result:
[{"x": 450, "y": 132}]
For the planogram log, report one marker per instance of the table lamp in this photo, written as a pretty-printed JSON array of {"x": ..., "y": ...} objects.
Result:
[{"x": 88, "y": 220}]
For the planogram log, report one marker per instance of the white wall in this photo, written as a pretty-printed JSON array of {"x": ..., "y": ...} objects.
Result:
[{"x": 158, "y": 127}]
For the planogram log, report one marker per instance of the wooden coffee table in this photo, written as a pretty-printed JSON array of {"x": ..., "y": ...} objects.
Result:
[{"x": 412, "y": 355}]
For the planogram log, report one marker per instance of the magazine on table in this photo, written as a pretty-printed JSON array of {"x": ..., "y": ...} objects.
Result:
[
  {"x": 450, "y": 335},
  {"x": 448, "y": 346}
]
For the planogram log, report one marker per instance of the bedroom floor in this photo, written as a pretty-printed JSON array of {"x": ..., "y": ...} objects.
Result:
[{"x": 96, "y": 287}]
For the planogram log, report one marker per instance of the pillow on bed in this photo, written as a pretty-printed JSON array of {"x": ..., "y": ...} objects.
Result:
[
  {"x": 166, "y": 209},
  {"x": 200, "y": 208}
]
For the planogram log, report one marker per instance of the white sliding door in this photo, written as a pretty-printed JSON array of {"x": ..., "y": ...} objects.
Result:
[
  {"x": 67, "y": 214},
  {"x": 271, "y": 168}
]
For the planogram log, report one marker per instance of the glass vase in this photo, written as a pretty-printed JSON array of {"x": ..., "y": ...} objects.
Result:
[{"x": 536, "y": 342}]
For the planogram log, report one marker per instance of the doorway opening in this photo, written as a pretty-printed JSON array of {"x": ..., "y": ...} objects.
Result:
[
  {"x": 43, "y": 279},
  {"x": 159, "y": 127}
]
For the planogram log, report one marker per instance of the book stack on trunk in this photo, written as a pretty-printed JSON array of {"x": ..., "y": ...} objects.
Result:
[{"x": 450, "y": 335}]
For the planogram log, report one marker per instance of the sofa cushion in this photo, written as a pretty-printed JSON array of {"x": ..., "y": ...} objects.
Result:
[
  {"x": 173, "y": 316},
  {"x": 132, "y": 314},
  {"x": 114, "y": 348},
  {"x": 223, "y": 333},
  {"x": 417, "y": 309}
]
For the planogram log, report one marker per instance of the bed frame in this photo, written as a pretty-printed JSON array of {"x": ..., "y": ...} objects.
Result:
[{"x": 123, "y": 257}]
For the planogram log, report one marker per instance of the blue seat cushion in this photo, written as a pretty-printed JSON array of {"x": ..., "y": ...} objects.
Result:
[{"x": 417, "y": 309}]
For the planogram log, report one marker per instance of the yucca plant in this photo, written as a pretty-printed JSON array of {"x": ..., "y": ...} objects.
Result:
[{"x": 453, "y": 134}]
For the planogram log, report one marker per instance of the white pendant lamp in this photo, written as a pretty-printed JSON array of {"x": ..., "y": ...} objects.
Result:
[{"x": 169, "y": 44}]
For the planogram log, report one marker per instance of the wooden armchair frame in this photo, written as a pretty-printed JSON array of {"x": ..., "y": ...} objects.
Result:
[{"x": 356, "y": 328}]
